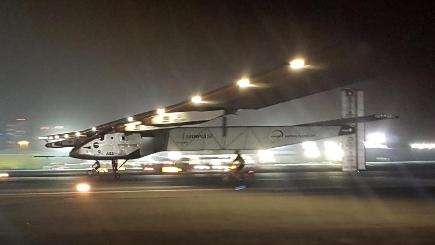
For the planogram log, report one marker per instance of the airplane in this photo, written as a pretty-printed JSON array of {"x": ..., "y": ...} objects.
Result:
[{"x": 170, "y": 128}]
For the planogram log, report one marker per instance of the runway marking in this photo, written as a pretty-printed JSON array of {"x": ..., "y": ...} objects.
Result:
[{"x": 107, "y": 192}]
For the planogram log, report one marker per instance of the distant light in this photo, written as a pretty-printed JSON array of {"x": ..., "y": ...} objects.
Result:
[
  {"x": 78, "y": 134},
  {"x": 310, "y": 149},
  {"x": 376, "y": 141},
  {"x": 44, "y": 128},
  {"x": 266, "y": 156},
  {"x": 130, "y": 119},
  {"x": 161, "y": 111},
  {"x": 4, "y": 175},
  {"x": 23, "y": 143},
  {"x": 43, "y": 138},
  {"x": 171, "y": 170},
  {"x": 148, "y": 169},
  {"x": 297, "y": 64},
  {"x": 59, "y": 127},
  {"x": 197, "y": 99},
  {"x": 66, "y": 136},
  {"x": 244, "y": 83},
  {"x": 20, "y": 119},
  {"x": 57, "y": 137},
  {"x": 174, "y": 155},
  {"x": 422, "y": 146},
  {"x": 201, "y": 167},
  {"x": 94, "y": 129},
  {"x": 333, "y": 151},
  {"x": 83, "y": 187},
  {"x": 50, "y": 137}
]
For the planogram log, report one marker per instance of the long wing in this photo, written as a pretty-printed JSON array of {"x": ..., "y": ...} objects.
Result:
[{"x": 322, "y": 71}]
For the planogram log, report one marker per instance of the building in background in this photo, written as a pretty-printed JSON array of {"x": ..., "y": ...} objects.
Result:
[{"x": 16, "y": 135}]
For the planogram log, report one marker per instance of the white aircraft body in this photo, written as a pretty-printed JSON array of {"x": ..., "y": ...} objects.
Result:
[{"x": 165, "y": 129}]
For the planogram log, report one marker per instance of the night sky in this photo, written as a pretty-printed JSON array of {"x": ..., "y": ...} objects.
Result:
[{"x": 81, "y": 63}]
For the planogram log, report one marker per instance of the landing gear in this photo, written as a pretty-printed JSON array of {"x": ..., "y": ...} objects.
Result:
[
  {"x": 115, "y": 168},
  {"x": 116, "y": 175}
]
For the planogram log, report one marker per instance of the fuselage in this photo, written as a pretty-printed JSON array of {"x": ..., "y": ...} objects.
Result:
[{"x": 132, "y": 145}]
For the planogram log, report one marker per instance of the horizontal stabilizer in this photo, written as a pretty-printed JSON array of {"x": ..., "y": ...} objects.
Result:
[{"x": 347, "y": 121}]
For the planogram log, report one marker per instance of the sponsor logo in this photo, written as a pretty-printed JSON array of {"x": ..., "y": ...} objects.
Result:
[
  {"x": 197, "y": 136},
  {"x": 276, "y": 136}
]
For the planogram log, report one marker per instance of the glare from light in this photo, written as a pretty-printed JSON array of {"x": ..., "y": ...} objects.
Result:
[
  {"x": 130, "y": 119},
  {"x": 59, "y": 127},
  {"x": 4, "y": 175},
  {"x": 310, "y": 149},
  {"x": 83, "y": 187},
  {"x": 174, "y": 155},
  {"x": 78, "y": 134},
  {"x": 94, "y": 129},
  {"x": 43, "y": 138},
  {"x": 66, "y": 136},
  {"x": 171, "y": 169},
  {"x": 50, "y": 137},
  {"x": 297, "y": 64},
  {"x": 197, "y": 99},
  {"x": 148, "y": 169},
  {"x": 244, "y": 83},
  {"x": 23, "y": 143},
  {"x": 265, "y": 156},
  {"x": 377, "y": 138},
  {"x": 57, "y": 137},
  {"x": 333, "y": 151},
  {"x": 422, "y": 146},
  {"x": 161, "y": 111},
  {"x": 376, "y": 141}
]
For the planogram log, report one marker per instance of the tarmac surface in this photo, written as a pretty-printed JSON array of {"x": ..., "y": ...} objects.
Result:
[{"x": 391, "y": 204}]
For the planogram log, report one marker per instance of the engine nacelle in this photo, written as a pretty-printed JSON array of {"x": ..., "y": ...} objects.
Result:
[{"x": 112, "y": 146}]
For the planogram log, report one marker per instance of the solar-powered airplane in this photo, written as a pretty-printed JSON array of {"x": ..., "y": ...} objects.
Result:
[{"x": 170, "y": 128}]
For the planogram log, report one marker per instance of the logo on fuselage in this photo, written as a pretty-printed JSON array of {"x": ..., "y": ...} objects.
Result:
[
  {"x": 276, "y": 136},
  {"x": 197, "y": 136}
]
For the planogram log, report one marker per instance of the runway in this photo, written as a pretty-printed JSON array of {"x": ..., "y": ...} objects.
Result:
[{"x": 385, "y": 205}]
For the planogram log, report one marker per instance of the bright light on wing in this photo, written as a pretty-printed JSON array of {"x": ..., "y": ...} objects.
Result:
[
  {"x": 161, "y": 111},
  {"x": 297, "y": 64},
  {"x": 197, "y": 99},
  {"x": 94, "y": 129},
  {"x": 244, "y": 83},
  {"x": 130, "y": 119}
]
